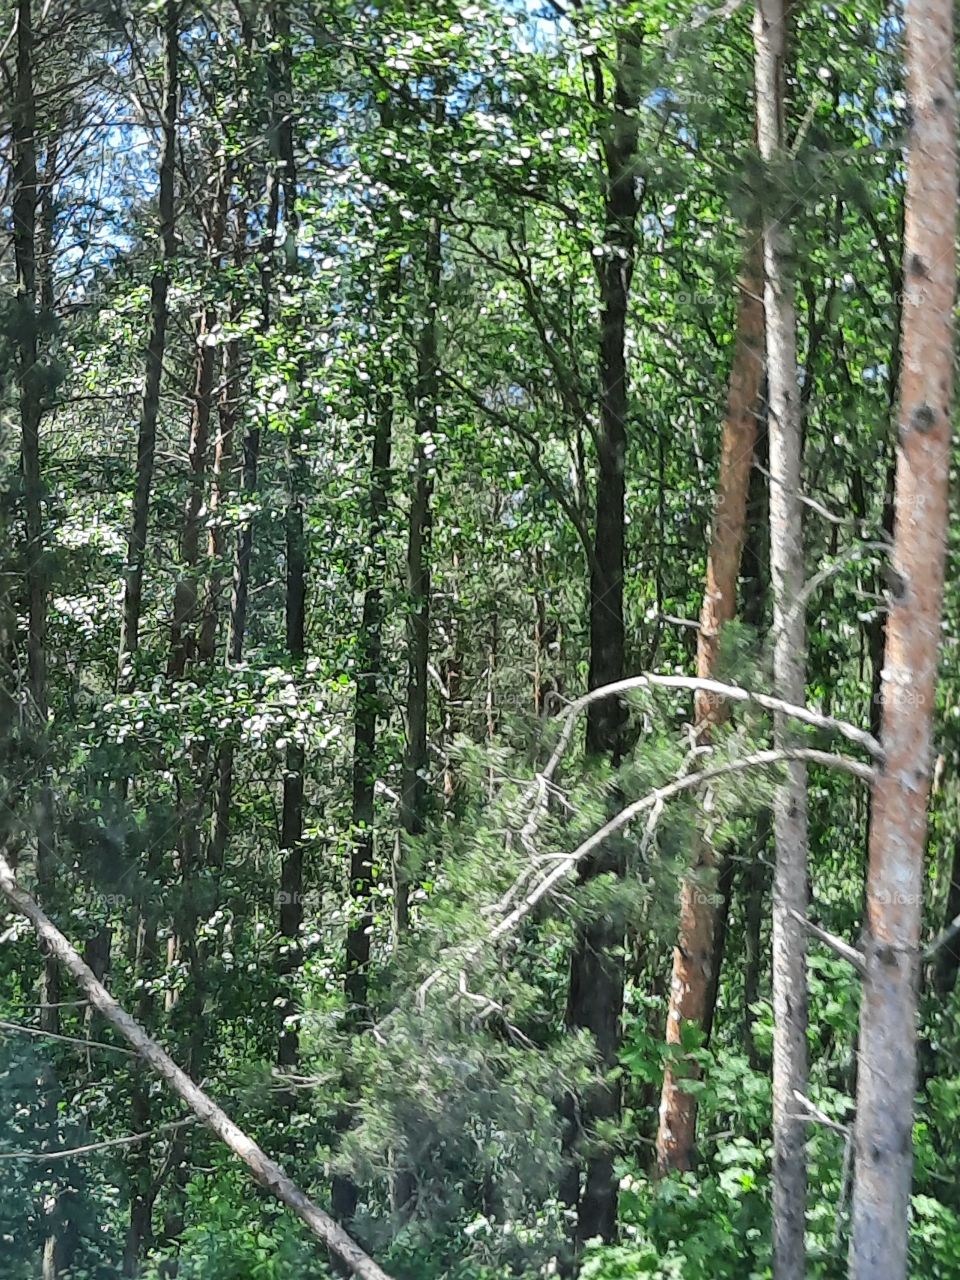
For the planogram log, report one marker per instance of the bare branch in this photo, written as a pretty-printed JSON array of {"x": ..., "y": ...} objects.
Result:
[
  {"x": 53, "y": 1035},
  {"x": 692, "y": 781},
  {"x": 837, "y": 945},
  {"x": 731, "y": 693},
  {"x": 567, "y": 862},
  {"x": 810, "y": 1112},
  {"x": 128, "y": 1141}
]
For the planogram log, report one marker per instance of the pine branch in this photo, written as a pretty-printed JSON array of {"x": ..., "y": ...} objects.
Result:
[{"x": 568, "y": 862}]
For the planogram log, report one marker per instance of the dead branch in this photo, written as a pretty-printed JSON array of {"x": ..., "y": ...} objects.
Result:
[
  {"x": 837, "y": 945},
  {"x": 129, "y": 1140}
]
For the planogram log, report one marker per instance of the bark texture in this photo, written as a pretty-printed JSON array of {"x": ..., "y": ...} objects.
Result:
[
  {"x": 291, "y": 824},
  {"x": 886, "y": 1078},
  {"x": 691, "y": 982},
  {"x": 785, "y": 428},
  {"x": 414, "y": 786}
]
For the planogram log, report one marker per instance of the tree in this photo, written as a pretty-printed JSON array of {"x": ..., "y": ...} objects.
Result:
[
  {"x": 887, "y": 1076},
  {"x": 693, "y": 956},
  {"x": 156, "y": 342},
  {"x": 595, "y": 998}
]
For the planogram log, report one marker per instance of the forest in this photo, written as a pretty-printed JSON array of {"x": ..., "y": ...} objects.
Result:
[{"x": 479, "y": 640}]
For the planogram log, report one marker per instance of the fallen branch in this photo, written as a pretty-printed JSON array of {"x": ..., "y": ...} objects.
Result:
[
  {"x": 265, "y": 1171},
  {"x": 837, "y": 945},
  {"x": 729, "y": 692},
  {"x": 691, "y": 782},
  {"x": 810, "y": 1112}
]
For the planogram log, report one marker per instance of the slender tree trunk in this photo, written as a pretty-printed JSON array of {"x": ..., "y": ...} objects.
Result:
[
  {"x": 790, "y": 891},
  {"x": 491, "y": 713},
  {"x": 145, "y": 928},
  {"x": 25, "y": 203},
  {"x": 413, "y": 795},
  {"x": 156, "y": 345},
  {"x": 243, "y": 553},
  {"x": 367, "y": 709},
  {"x": 886, "y": 1079},
  {"x": 183, "y": 642},
  {"x": 184, "y": 939},
  {"x": 692, "y": 989},
  {"x": 453, "y": 680},
  {"x": 595, "y": 996},
  {"x": 366, "y": 715},
  {"x": 755, "y": 571},
  {"x": 291, "y": 834},
  {"x": 25, "y": 228}
]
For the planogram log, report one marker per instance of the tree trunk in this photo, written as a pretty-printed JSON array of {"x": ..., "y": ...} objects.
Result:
[
  {"x": 156, "y": 345},
  {"x": 453, "y": 682},
  {"x": 595, "y": 996},
  {"x": 886, "y": 1080},
  {"x": 368, "y": 706},
  {"x": 291, "y": 834},
  {"x": 789, "y": 664},
  {"x": 25, "y": 252},
  {"x": 183, "y": 642},
  {"x": 243, "y": 553},
  {"x": 413, "y": 796},
  {"x": 223, "y": 475},
  {"x": 25, "y": 227},
  {"x": 367, "y": 710},
  {"x": 693, "y": 958}
]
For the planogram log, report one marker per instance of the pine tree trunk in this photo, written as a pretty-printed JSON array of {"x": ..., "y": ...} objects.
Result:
[
  {"x": 25, "y": 206},
  {"x": 249, "y": 468},
  {"x": 291, "y": 821},
  {"x": 886, "y": 1079},
  {"x": 595, "y": 996},
  {"x": 789, "y": 666},
  {"x": 156, "y": 345},
  {"x": 183, "y": 641},
  {"x": 413, "y": 796},
  {"x": 368, "y": 707},
  {"x": 693, "y": 958}
]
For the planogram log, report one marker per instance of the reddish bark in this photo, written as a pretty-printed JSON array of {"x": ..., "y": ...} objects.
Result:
[
  {"x": 693, "y": 956},
  {"x": 886, "y": 1080}
]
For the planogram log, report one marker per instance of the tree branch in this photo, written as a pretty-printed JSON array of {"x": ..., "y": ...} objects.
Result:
[
  {"x": 731, "y": 693},
  {"x": 130, "y": 1140},
  {"x": 566, "y": 863},
  {"x": 837, "y": 945}
]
